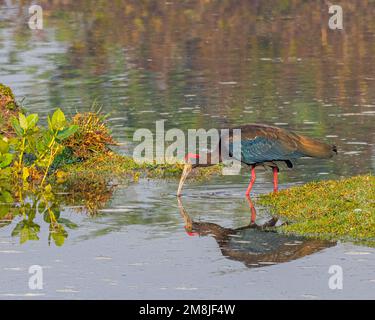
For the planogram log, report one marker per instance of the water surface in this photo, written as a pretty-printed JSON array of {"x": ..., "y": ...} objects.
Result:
[{"x": 196, "y": 64}]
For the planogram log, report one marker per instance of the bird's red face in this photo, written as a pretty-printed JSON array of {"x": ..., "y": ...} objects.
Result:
[{"x": 187, "y": 169}]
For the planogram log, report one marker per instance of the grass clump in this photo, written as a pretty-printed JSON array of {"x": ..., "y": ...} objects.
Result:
[
  {"x": 92, "y": 137},
  {"x": 342, "y": 209},
  {"x": 7, "y": 99},
  {"x": 8, "y": 109}
]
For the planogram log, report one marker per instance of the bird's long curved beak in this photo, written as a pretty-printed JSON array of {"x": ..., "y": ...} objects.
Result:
[{"x": 187, "y": 169}]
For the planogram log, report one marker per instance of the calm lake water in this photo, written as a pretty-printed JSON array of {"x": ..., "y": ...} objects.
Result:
[{"x": 196, "y": 64}]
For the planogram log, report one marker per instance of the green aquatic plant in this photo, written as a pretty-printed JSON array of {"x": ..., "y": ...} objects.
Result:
[
  {"x": 6, "y": 157},
  {"x": 51, "y": 144},
  {"x": 41, "y": 145}
]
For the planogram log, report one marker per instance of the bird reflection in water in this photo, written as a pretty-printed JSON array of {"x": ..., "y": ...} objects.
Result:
[{"x": 254, "y": 245}]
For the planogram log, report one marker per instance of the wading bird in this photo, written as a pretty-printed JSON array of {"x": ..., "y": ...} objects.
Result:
[{"x": 263, "y": 145}]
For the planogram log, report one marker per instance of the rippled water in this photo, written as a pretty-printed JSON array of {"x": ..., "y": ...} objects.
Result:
[{"x": 197, "y": 64}]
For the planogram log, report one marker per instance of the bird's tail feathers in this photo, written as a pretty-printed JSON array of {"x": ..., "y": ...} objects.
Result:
[{"x": 314, "y": 148}]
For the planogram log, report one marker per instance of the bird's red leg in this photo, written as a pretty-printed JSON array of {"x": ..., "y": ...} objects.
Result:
[
  {"x": 275, "y": 179},
  {"x": 253, "y": 177},
  {"x": 252, "y": 210}
]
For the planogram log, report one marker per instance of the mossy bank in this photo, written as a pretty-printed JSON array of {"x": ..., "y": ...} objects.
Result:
[{"x": 340, "y": 209}]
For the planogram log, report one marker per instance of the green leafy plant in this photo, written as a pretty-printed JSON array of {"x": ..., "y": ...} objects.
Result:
[
  {"x": 6, "y": 157},
  {"x": 42, "y": 145},
  {"x": 25, "y": 129},
  {"x": 50, "y": 146}
]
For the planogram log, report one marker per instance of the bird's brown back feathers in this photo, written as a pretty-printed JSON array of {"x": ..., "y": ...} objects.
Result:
[{"x": 291, "y": 141}]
